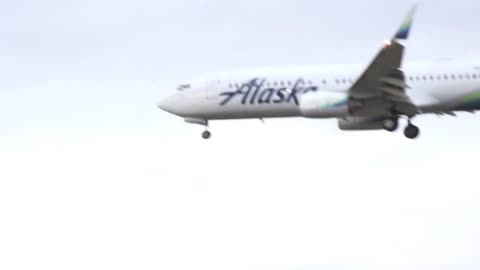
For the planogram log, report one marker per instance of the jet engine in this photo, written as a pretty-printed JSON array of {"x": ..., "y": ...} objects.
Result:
[
  {"x": 360, "y": 123},
  {"x": 324, "y": 105}
]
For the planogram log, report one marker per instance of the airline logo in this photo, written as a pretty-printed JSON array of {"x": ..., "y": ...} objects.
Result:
[
  {"x": 255, "y": 92},
  {"x": 404, "y": 30}
]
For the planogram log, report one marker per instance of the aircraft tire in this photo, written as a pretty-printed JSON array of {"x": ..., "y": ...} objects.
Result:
[
  {"x": 412, "y": 132},
  {"x": 206, "y": 135},
  {"x": 391, "y": 124}
]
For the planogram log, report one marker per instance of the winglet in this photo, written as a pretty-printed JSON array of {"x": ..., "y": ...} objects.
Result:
[{"x": 404, "y": 30}]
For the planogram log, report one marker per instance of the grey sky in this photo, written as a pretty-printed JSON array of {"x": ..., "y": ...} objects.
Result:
[
  {"x": 95, "y": 176},
  {"x": 130, "y": 53}
]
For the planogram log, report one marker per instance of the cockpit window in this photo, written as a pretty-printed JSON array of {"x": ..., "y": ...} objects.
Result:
[{"x": 184, "y": 87}]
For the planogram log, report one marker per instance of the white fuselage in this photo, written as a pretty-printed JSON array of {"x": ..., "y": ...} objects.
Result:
[{"x": 434, "y": 87}]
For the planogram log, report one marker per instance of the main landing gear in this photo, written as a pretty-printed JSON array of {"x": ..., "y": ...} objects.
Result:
[
  {"x": 390, "y": 124},
  {"x": 411, "y": 131}
]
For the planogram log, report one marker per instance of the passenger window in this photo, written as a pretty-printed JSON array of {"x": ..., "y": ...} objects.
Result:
[
  {"x": 446, "y": 77},
  {"x": 453, "y": 77},
  {"x": 474, "y": 76}
]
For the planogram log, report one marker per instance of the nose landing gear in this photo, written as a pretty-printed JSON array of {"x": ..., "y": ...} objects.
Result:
[
  {"x": 206, "y": 135},
  {"x": 200, "y": 121}
]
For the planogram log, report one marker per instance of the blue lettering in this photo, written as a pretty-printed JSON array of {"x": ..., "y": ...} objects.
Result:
[
  {"x": 253, "y": 93},
  {"x": 280, "y": 96},
  {"x": 257, "y": 87},
  {"x": 266, "y": 96}
]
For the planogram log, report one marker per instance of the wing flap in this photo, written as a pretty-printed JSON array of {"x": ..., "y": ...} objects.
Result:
[
  {"x": 394, "y": 93},
  {"x": 395, "y": 82}
]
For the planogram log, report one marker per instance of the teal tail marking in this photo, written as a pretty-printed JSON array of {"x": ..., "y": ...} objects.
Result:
[{"x": 404, "y": 30}]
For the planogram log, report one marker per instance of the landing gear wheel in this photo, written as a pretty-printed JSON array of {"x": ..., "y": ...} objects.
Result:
[
  {"x": 390, "y": 124},
  {"x": 412, "y": 131},
  {"x": 206, "y": 135}
]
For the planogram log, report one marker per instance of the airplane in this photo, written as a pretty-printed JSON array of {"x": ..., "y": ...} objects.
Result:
[{"x": 374, "y": 97}]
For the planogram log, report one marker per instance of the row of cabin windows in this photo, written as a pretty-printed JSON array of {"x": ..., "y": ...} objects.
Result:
[
  {"x": 281, "y": 83},
  {"x": 345, "y": 81},
  {"x": 444, "y": 77}
]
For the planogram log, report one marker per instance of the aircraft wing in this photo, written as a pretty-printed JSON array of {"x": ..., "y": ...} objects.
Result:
[{"x": 381, "y": 88}]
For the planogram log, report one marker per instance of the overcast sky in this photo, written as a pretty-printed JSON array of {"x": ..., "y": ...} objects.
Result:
[{"x": 94, "y": 176}]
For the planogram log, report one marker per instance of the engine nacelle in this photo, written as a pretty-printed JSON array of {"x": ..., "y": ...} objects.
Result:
[
  {"x": 360, "y": 123},
  {"x": 324, "y": 105}
]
